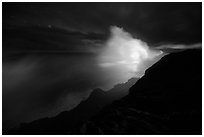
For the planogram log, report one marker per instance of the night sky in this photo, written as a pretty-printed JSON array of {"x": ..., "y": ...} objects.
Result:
[{"x": 50, "y": 50}]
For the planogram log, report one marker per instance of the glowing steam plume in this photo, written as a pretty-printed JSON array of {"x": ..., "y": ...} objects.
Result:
[{"x": 127, "y": 56}]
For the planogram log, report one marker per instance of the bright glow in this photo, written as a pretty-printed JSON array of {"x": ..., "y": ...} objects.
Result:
[{"x": 127, "y": 56}]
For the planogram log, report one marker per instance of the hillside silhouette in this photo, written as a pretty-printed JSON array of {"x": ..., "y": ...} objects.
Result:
[
  {"x": 167, "y": 100},
  {"x": 86, "y": 109}
]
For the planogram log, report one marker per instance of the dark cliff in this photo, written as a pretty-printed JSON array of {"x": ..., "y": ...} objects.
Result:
[{"x": 166, "y": 100}]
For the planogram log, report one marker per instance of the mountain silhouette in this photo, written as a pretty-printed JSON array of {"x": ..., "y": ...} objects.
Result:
[
  {"x": 167, "y": 100},
  {"x": 87, "y": 108}
]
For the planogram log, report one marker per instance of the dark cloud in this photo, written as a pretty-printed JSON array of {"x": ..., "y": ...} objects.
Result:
[
  {"x": 37, "y": 38},
  {"x": 152, "y": 22}
]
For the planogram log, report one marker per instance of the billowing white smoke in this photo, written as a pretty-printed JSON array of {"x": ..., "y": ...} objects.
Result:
[{"x": 126, "y": 56}]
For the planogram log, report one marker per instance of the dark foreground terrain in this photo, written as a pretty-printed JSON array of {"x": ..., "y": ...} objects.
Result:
[{"x": 166, "y": 100}]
